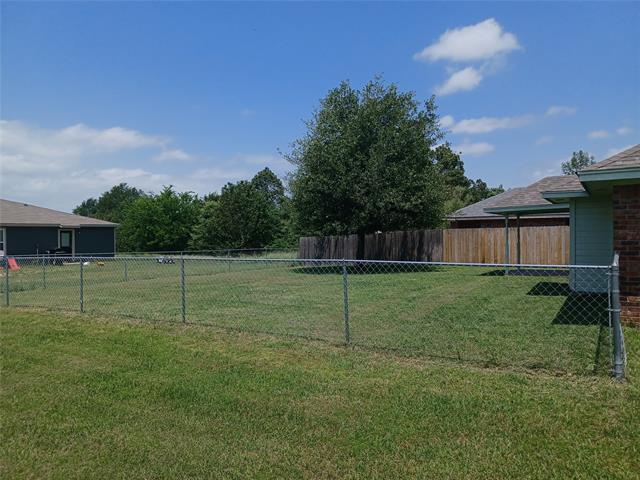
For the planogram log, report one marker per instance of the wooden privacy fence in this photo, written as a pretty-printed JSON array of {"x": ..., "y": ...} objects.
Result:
[{"x": 538, "y": 245}]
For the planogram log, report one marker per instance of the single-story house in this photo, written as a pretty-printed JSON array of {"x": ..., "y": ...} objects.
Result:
[
  {"x": 475, "y": 216},
  {"x": 603, "y": 202},
  {"x": 29, "y": 230}
]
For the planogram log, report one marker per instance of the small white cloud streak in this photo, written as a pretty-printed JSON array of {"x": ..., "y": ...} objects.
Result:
[
  {"x": 460, "y": 81},
  {"x": 490, "y": 124},
  {"x": 173, "y": 155},
  {"x": 612, "y": 151},
  {"x": 545, "y": 139},
  {"x": 560, "y": 110},
  {"x": 476, "y": 149},
  {"x": 446, "y": 121},
  {"x": 598, "y": 134}
]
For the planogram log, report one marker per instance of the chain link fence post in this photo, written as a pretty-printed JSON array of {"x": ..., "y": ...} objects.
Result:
[
  {"x": 6, "y": 280},
  {"x": 126, "y": 270},
  {"x": 183, "y": 290},
  {"x": 81, "y": 286},
  {"x": 44, "y": 272},
  {"x": 345, "y": 295},
  {"x": 618, "y": 341}
]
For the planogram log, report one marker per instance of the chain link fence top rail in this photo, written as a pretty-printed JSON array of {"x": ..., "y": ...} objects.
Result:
[{"x": 530, "y": 316}]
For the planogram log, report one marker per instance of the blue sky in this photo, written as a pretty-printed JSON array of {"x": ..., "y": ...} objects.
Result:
[{"x": 198, "y": 94}]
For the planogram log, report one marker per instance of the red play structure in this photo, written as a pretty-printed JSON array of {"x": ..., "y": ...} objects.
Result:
[{"x": 13, "y": 265}]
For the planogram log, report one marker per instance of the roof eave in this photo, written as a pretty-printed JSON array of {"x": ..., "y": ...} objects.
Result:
[
  {"x": 529, "y": 209},
  {"x": 60, "y": 225},
  {"x": 562, "y": 196},
  {"x": 609, "y": 174}
]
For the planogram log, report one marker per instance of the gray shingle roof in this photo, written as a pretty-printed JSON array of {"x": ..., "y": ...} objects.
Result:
[
  {"x": 518, "y": 197},
  {"x": 628, "y": 158},
  {"x": 532, "y": 195},
  {"x": 476, "y": 210},
  {"x": 18, "y": 213}
]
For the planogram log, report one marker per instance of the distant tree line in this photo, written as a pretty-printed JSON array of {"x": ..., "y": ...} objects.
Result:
[{"x": 373, "y": 159}]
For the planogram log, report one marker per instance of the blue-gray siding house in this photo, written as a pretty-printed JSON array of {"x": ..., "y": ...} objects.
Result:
[
  {"x": 603, "y": 202},
  {"x": 29, "y": 230}
]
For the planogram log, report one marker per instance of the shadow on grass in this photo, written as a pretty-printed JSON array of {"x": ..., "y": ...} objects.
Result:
[
  {"x": 366, "y": 269},
  {"x": 578, "y": 308},
  {"x": 527, "y": 272},
  {"x": 581, "y": 309},
  {"x": 550, "y": 289}
]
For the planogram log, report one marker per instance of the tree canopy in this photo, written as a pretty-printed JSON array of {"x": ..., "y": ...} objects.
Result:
[
  {"x": 371, "y": 159},
  {"x": 111, "y": 204},
  {"x": 246, "y": 214},
  {"x": 578, "y": 161},
  {"x": 367, "y": 164},
  {"x": 460, "y": 191},
  {"x": 160, "y": 222}
]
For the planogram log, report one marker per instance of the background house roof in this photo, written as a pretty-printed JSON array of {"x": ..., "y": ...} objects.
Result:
[
  {"x": 514, "y": 196},
  {"x": 626, "y": 159},
  {"x": 531, "y": 196},
  {"x": 23, "y": 214}
]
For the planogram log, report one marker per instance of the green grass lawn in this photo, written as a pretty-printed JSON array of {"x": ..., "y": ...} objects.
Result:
[
  {"x": 464, "y": 314},
  {"x": 99, "y": 397}
]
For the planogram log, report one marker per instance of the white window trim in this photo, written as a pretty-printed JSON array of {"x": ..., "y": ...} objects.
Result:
[
  {"x": 73, "y": 239},
  {"x": 4, "y": 241}
]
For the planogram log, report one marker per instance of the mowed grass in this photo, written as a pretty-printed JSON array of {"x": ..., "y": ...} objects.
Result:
[
  {"x": 91, "y": 397},
  {"x": 464, "y": 314}
]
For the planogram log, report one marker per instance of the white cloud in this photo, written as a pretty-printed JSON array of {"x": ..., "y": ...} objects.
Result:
[
  {"x": 460, "y": 81},
  {"x": 474, "y": 149},
  {"x": 173, "y": 155},
  {"x": 247, "y": 112},
  {"x": 261, "y": 160},
  {"x": 624, "y": 130},
  {"x": 73, "y": 141},
  {"x": 60, "y": 168},
  {"x": 485, "y": 42},
  {"x": 612, "y": 151},
  {"x": 489, "y": 124},
  {"x": 446, "y": 121},
  {"x": 545, "y": 139},
  {"x": 596, "y": 134},
  {"x": 547, "y": 172},
  {"x": 558, "y": 110},
  {"x": 481, "y": 41}
]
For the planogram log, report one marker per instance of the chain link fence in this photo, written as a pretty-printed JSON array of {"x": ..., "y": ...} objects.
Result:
[{"x": 559, "y": 318}]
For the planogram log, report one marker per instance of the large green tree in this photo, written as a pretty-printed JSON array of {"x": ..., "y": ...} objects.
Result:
[
  {"x": 160, "y": 222},
  {"x": 455, "y": 183},
  {"x": 88, "y": 208},
  {"x": 244, "y": 215},
  {"x": 111, "y": 205},
  {"x": 578, "y": 161},
  {"x": 366, "y": 163}
]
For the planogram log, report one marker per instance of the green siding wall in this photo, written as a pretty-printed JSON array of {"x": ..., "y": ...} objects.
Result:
[
  {"x": 591, "y": 240},
  {"x": 592, "y": 230}
]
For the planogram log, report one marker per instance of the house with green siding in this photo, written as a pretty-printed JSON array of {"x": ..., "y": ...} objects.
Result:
[{"x": 603, "y": 201}]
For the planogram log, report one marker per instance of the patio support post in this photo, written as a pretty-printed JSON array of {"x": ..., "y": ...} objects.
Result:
[
  {"x": 519, "y": 260},
  {"x": 345, "y": 298},
  {"x": 81, "y": 286},
  {"x": 183, "y": 290},
  {"x": 6, "y": 280},
  {"x": 506, "y": 244}
]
